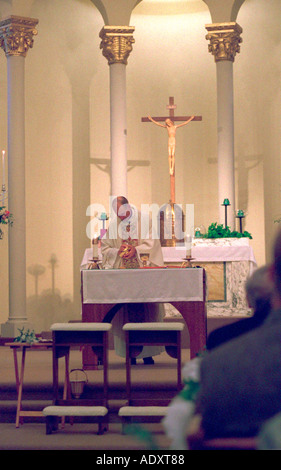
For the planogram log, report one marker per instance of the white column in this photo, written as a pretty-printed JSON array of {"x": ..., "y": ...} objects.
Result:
[
  {"x": 16, "y": 35},
  {"x": 224, "y": 44},
  {"x": 118, "y": 129},
  {"x": 16, "y": 196},
  {"x": 116, "y": 45},
  {"x": 225, "y": 130}
]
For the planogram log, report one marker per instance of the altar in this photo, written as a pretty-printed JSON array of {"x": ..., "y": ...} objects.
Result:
[
  {"x": 184, "y": 289},
  {"x": 228, "y": 262}
]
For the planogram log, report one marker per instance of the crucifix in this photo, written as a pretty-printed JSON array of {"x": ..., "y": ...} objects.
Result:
[{"x": 171, "y": 128}]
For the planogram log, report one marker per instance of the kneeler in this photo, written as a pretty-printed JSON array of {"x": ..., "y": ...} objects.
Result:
[
  {"x": 149, "y": 334},
  {"x": 65, "y": 336}
]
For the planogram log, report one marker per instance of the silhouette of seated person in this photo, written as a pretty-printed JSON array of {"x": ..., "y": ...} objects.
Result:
[
  {"x": 259, "y": 291},
  {"x": 240, "y": 380}
]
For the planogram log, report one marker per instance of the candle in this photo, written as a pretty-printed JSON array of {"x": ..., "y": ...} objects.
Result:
[
  {"x": 3, "y": 168},
  {"x": 95, "y": 251},
  {"x": 188, "y": 245},
  {"x": 95, "y": 248}
]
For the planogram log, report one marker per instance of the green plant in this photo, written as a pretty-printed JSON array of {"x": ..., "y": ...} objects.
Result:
[
  {"x": 26, "y": 336},
  {"x": 216, "y": 230}
]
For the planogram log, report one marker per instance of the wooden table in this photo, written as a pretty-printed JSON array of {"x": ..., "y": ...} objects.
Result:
[
  {"x": 19, "y": 373},
  {"x": 184, "y": 288}
]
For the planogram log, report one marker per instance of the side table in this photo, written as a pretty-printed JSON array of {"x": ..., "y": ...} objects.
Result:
[{"x": 19, "y": 373}]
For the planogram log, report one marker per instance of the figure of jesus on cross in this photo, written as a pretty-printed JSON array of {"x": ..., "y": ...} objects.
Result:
[{"x": 171, "y": 129}]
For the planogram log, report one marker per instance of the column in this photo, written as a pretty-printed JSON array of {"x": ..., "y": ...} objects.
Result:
[
  {"x": 224, "y": 44},
  {"x": 16, "y": 37},
  {"x": 116, "y": 45}
]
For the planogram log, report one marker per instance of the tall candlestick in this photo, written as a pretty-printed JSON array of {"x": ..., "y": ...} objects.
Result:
[
  {"x": 225, "y": 204},
  {"x": 240, "y": 215}
]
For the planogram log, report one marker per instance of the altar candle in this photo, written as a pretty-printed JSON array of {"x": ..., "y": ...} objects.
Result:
[
  {"x": 188, "y": 245},
  {"x": 3, "y": 168},
  {"x": 95, "y": 247}
]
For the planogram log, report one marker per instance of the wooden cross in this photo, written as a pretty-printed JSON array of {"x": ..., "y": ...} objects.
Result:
[{"x": 171, "y": 131}]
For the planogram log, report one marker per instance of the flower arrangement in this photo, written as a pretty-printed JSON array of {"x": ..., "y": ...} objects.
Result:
[
  {"x": 182, "y": 408},
  {"x": 216, "y": 230},
  {"x": 26, "y": 336},
  {"x": 5, "y": 218}
]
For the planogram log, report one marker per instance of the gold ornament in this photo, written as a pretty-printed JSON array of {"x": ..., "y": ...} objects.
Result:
[
  {"x": 116, "y": 43},
  {"x": 224, "y": 40},
  {"x": 16, "y": 35}
]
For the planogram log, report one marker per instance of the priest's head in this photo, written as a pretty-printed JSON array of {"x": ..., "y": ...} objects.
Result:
[{"x": 121, "y": 207}]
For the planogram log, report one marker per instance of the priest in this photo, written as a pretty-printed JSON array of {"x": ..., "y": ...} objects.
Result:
[{"x": 121, "y": 247}]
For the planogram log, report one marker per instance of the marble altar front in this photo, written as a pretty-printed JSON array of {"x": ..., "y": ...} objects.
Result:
[{"x": 228, "y": 263}]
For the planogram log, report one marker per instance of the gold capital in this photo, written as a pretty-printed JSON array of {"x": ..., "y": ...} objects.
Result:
[
  {"x": 116, "y": 43},
  {"x": 224, "y": 40},
  {"x": 16, "y": 35}
]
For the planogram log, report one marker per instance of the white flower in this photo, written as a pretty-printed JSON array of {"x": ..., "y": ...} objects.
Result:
[
  {"x": 176, "y": 422},
  {"x": 191, "y": 370}
]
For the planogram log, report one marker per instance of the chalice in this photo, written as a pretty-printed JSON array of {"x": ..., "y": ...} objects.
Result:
[{"x": 144, "y": 257}]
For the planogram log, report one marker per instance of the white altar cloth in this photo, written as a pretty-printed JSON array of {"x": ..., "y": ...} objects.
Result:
[
  {"x": 213, "y": 250},
  {"x": 202, "y": 250},
  {"x": 142, "y": 285}
]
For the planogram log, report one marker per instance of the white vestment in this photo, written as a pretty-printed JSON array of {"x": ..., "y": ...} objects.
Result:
[{"x": 110, "y": 245}]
